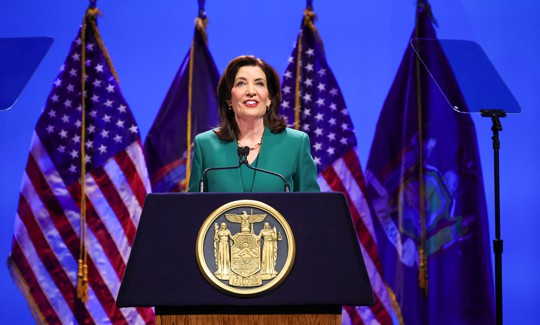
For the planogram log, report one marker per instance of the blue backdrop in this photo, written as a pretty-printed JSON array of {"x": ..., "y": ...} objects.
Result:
[{"x": 364, "y": 43}]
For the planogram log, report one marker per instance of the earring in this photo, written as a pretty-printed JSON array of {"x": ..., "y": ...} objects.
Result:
[
  {"x": 230, "y": 108},
  {"x": 267, "y": 108}
]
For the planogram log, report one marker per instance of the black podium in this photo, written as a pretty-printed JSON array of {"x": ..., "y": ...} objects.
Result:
[{"x": 328, "y": 269}]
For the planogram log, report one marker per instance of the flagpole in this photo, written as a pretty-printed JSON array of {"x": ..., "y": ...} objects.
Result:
[
  {"x": 497, "y": 242},
  {"x": 423, "y": 264}
]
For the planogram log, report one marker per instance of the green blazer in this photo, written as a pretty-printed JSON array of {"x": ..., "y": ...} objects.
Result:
[{"x": 287, "y": 153}]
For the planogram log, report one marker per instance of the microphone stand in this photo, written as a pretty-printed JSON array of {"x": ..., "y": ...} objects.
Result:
[
  {"x": 497, "y": 242},
  {"x": 241, "y": 156},
  {"x": 244, "y": 152}
]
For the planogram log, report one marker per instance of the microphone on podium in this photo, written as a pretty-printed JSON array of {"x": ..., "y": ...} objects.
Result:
[{"x": 242, "y": 152}]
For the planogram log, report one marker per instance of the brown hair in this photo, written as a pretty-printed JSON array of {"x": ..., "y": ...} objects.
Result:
[{"x": 228, "y": 129}]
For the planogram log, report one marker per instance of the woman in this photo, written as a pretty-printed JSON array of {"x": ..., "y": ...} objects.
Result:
[{"x": 249, "y": 99}]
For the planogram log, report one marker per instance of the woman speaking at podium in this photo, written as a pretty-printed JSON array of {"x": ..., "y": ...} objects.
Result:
[{"x": 249, "y": 98}]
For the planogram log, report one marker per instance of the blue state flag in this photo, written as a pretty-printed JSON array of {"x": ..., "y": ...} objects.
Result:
[
  {"x": 189, "y": 108},
  {"x": 424, "y": 183}
]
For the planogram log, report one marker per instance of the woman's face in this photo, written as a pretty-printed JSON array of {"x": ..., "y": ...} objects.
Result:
[{"x": 249, "y": 95}]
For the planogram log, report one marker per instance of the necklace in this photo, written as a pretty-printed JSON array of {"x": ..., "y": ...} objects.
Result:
[{"x": 255, "y": 146}]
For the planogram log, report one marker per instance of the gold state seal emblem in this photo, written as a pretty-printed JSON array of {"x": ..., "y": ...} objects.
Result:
[{"x": 245, "y": 247}]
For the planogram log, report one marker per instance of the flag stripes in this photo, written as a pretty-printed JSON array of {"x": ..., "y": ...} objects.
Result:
[
  {"x": 57, "y": 251},
  {"x": 48, "y": 314},
  {"x": 336, "y": 176}
]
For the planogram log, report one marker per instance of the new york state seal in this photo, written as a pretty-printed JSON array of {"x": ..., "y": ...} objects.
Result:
[{"x": 245, "y": 247}]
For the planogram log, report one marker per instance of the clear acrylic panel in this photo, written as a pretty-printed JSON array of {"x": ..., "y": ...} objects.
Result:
[
  {"x": 19, "y": 58},
  {"x": 481, "y": 86}
]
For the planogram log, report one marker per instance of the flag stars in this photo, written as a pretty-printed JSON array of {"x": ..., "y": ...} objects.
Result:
[
  {"x": 110, "y": 88},
  {"x": 63, "y": 134},
  {"x": 117, "y": 138},
  {"x": 345, "y": 126},
  {"x": 89, "y": 144},
  {"x": 321, "y": 86},
  {"x": 287, "y": 75},
  {"x": 90, "y": 46},
  {"x": 319, "y": 117},
  {"x": 104, "y": 134},
  {"x": 54, "y": 98},
  {"x": 344, "y": 111},
  {"x": 310, "y": 52},
  {"x": 286, "y": 90},
  {"x": 73, "y": 169},
  {"x": 309, "y": 67},
  {"x": 122, "y": 108},
  {"x": 318, "y": 132},
  {"x": 108, "y": 103},
  {"x": 93, "y": 113},
  {"x": 305, "y": 127},
  {"x": 88, "y": 62},
  {"x": 87, "y": 159},
  {"x": 70, "y": 88},
  {"x": 332, "y": 136},
  {"x": 57, "y": 83},
  {"x": 320, "y": 101},
  {"x": 290, "y": 60},
  {"x": 50, "y": 129},
  {"x": 76, "y": 139},
  {"x": 52, "y": 113},
  {"x": 308, "y": 82},
  {"x": 330, "y": 151},
  {"x": 106, "y": 118},
  {"x": 65, "y": 119},
  {"x": 91, "y": 129},
  {"x": 74, "y": 154},
  {"x": 76, "y": 57},
  {"x": 333, "y": 107},
  {"x": 344, "y": 141},
  {"x": 78, "y": 123},
  {"x": 307, "y": 98},
  {"x": 78, "y": 41},
  {"x": 317, "y": 160},
  {"x": 306, "y": 112},
  {"x": 99, "y": 68},
  {"x": 321, "y": 72},
  {"x": 120, "y": 123},
  {"x": 317, "y": 146},
  {"x": 97, "y": 83},
  {"x": 332, "y": 121},
  {"x": 285, "y": 104},
  {"x": 334, "y": 92},
  {"x": 95, "y": 98},
  {"x": 61, "y": 149},
  {"x": 73, "y": 72},
  {"x": 102, "y": 149},
  {"x": 67, "y": 103},
  {"x": 133, "y": 128}
]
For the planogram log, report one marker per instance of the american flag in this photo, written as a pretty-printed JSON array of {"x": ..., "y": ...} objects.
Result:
[
  {"x": 46, "y": 241},
  {"x": 312, "y": 101}
]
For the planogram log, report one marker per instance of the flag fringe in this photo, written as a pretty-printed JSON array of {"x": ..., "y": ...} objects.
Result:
[{"x": 25, "y": 290}]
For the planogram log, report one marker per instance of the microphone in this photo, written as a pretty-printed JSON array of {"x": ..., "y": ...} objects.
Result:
[
  {"x": 242, "y": 155},
  {"x": 243, "y": 160}
]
